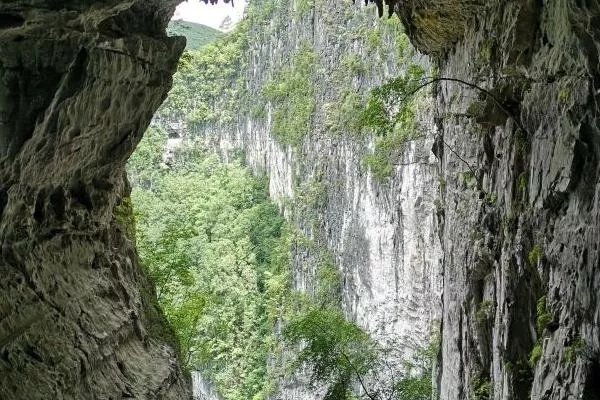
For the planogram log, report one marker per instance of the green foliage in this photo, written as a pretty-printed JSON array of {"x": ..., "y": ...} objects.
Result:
[
  {"x": 291, "y": 93},
  {"x": 333, "y": 348},
  {"x": 416, "y": 383},
  {"x": 379, "y": 164},
  {"x": 482, "y": 389},
  {"x": 390, "y": 115},
  {"x": 342, "y": 357},
  {"x": 217, "y": 250},
  {"x": 536, "y": 354},
  {"x": 390, "y": 105},
  {"x": 328, "y": 293},
  {"x": 485, "y": 311},
  {"x": 303, "y": 7},
  {"x": 353, "y": 64},
  {"x": 535, "y": 254},
  {"x": 341, "y": 115},
  {"x": 124, "y": 217},
  {"x": 197, "y": 35},
  {"x": 374, "y": 38},
  {"x": 144, "y": 163},
  {"x": 543, "y": 315},
  {"x": 208, "y": 86},
  {"x": 574, "y": 350}
]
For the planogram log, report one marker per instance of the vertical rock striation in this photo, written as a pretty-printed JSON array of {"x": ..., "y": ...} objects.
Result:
[
  {"x": 521, "y": 217},
  {"x": 79, "y": 84}
]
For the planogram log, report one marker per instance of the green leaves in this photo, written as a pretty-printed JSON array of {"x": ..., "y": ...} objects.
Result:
[
  {"x": 390, "y": 116},
  {"x": 342, "y": 357},
  {"x": 291, "y": 93},
  {"x": 217, "y": 250},
  {"x": 336, "y": 350}
]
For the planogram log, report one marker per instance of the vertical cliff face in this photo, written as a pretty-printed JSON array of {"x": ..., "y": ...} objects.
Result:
[
  {"x": 380, "y": 231},
  {"x": 515, "y": 134},
  {"x": 520, "y": 202},
  {"x": 79, "y": 84}
]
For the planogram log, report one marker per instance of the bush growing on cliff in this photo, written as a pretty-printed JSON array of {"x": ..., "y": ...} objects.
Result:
[
  {"x": 344, "y": 359},
  {"x": 291, "y": 93}
]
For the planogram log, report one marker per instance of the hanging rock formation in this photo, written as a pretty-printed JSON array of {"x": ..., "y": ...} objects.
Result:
[{"x": 80, "y": 81}]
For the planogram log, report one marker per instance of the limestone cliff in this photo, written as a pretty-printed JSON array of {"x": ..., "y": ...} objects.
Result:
[
  {"x": 515, "y": 134},
  {"x": 379, "y": 230},
  {"x": 521, "y": 312},
  {"x": 80, "y": 81}
]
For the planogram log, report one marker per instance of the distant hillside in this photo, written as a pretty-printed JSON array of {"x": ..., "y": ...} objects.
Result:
[{"x": 197, "y": 35}]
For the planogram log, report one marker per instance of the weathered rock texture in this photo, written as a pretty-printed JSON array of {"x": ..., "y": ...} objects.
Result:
[
  {"x": 521, "y": 212},
  {"x": 79, "y": 83}
]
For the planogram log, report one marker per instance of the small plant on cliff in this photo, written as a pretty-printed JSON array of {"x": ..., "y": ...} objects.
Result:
[
  {"x": 482, "y": 389},
  {"x": 389, "y": 114},
  {"x": 535, "y": 254},
  {"x": 536, "y": 354},
  {"x": 543, "y": 315},
  {"x": 574, "y": 350},
  {"x": 485, "y": 311}
]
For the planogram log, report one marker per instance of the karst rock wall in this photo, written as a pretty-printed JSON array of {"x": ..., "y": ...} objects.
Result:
[
  {"x": 520, "y": 196},
  {"x": 79, "y": 83}
]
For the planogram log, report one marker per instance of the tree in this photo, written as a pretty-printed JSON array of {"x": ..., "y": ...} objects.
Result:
[
  {"x": 344, "y": 359},
  {"x": 217, "y": 250}
]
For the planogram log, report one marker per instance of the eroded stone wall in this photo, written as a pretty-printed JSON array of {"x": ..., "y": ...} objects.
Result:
[
  {"x": 520, "y": 205},
  {"x": 79, "y": 84}
]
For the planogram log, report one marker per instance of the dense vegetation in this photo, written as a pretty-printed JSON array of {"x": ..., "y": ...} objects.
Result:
[{"x": 217, "y": 250}]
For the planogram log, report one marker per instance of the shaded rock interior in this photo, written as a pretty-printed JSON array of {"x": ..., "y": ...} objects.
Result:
[{"x": 80, "y": 82}]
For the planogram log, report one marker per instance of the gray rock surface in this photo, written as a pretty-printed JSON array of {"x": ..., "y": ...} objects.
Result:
[
  {"x": 79, "y": 83},
  {"x": 521, "y": 314}
]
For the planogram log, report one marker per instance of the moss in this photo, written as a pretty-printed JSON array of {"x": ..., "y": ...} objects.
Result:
[
  {"x": 491, "y": 198},
  {"x": 467, "y": 179},
  {"x": 482, "y": 389},
  {"x": 564, "y": 94},
  {"x": 573, "y": 350},
  {"x": 536, "y": 354},
  {"x": 124, "y": 217},
  {"x": 485, "y": 311},
  {"x": 485, "y": 51}
]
